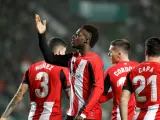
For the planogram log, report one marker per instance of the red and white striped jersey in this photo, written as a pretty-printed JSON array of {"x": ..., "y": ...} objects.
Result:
[
  {"x": 45, "y": 85},
  {"x": 144, "y": 82},
  {"x": 115, "y": 77},
  {"x": 86, "y": 75}
]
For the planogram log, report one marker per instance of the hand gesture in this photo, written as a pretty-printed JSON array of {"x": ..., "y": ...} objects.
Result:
[
  {"x": 41, "y": 27},
  {"x": 79, "y": 118}
]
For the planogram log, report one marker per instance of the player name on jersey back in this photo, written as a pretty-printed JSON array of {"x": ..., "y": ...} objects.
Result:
[
  {"x": 45, "y": 66},
  {"x": 145, "y": 69},
  {"x": 122, "y": 70}
]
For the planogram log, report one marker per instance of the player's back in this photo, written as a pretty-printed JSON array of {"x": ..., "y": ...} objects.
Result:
[
  {"x": 117, "y": 75},
  {"x": 45, "y": 91},
  {"x": 145, "y": 79}
]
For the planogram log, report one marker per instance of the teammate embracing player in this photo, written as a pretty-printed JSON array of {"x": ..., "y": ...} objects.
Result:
[{"x": 115, "y": 77}]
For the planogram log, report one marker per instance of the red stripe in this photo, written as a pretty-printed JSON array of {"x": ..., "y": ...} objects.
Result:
[
  {"x": 37, "y": 114},
  {"x": 141, "y": 115},
  {"x": 75, "y": 106},
  {"x": 157, "y": 117},
  {"x": 56, "y": 117},
  {"x": 114, "y": 113}
]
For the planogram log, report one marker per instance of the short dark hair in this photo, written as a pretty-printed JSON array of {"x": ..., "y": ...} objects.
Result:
[
  {"x": 55, "y": 42},
  {"x": 122, "y": 43},
  {"x": 152, "y": 46},
  {"x": 94, "y": 33}
]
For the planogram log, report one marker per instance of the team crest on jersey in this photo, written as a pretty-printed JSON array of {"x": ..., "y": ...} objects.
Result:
[{"x": 75, "y": 75}]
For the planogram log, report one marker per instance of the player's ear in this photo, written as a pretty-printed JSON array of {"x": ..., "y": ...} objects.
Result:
[{"x": 87, "y": 41}]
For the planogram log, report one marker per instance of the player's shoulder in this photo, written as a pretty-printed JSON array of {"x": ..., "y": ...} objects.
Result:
[
  {"x": 151, "y": 63},
  {"x": 122, "y": 64},
  {"x": 115, "y": 66},
  {"x": 75, "y": 54},
  {"x": 65, "y": 69},
  {"x": 128, "y": 63},
  {"x": 148, "y": 64},
  {"x": 134, "y": 63},
  {"x": 94, "y": 58},
  {"x": 110, "y": 70}
]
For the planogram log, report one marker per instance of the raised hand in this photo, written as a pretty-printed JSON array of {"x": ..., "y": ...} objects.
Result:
[{"x": 41, "y": 27}]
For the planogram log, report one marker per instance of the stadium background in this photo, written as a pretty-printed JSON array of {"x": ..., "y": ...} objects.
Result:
[{"x": 134, "y": 20}]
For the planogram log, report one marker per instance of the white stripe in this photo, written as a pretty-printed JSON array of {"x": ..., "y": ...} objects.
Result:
[
  {"x": 118, "y": 114},
  {"x": 69, "y": 112},
  {"x": 137, "y": 112},
  {"x": 32, "y": 111},
  {"x": 79, "y": 82},
  {"x": 82, "y": 115},
  {"x": 47, "y": 110},
  {"x": 110, "y": 89},
  {"x": 151, "y": 113}
]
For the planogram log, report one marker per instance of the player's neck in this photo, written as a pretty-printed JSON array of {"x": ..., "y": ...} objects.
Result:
[
  {"x": 153, "y": 59},
  {"x": 124, "y": 58},
  {"x": 85, "y": 50}
]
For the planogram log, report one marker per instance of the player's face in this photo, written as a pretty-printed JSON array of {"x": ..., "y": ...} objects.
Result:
[
  {"x": 113, "y": 54},
  {"x": 78, "y": 39}
]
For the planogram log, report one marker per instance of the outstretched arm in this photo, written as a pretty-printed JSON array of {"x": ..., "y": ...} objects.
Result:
[
  {"x": 15, "y": 100},
  {"x": 61, "y": 60}
]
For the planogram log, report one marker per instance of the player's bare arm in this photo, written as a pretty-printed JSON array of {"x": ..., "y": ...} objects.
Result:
[
  {"x": 125, "y": 96},
  {"x": 15, "y": 100}
]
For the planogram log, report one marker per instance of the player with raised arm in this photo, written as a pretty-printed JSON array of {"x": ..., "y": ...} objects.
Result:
[
  {"x": 45, "y": 83},
  {"x": 144, "y": 82},
  {"x": 86, "y": 71},
  {"x": 115, "y": 76}
]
